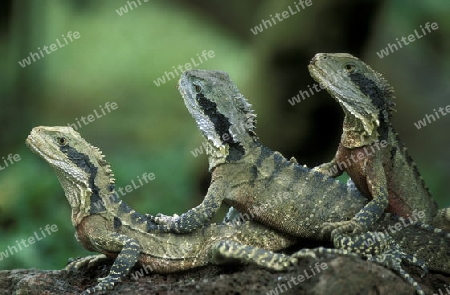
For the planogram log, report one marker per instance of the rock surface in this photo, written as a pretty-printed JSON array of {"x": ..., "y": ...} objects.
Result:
[{"x": 331, "y": 275}]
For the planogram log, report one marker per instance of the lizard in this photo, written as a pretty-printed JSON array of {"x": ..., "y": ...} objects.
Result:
[
  {"x": 105, "y": 224},
  {"x": 370, "y": 150},
  {"x": 249, "y": 176}
]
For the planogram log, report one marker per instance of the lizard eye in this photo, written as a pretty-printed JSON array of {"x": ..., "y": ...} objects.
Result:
[
  {"x": 350, "y": 68},
  {"x": 62, "y": 140},
  {"x": 198, "y": 88}
]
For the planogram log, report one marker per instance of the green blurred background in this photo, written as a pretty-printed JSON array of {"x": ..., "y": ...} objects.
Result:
[{"x": 117, "y": 58}]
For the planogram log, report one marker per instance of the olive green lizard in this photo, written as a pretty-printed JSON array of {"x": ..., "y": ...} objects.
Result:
[
  {"x": 105, "y": 224},
  {"x": 250, "y": 177},
  {"x": 370, "y": 150}
]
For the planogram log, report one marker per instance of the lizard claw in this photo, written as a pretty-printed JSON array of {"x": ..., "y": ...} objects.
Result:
[
  {"x": 88, "y": 261},
  {"x": 328, "y": 169}
]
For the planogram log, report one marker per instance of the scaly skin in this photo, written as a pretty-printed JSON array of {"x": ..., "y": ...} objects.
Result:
[
  {"x": 105, "y": 224},
  {"x": 249, "y": 176},
  {"x": 263, "y": 185},
  {"x": 370, "y": 151}
]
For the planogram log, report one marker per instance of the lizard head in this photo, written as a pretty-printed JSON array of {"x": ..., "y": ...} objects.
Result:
[
  {"x": 222, "y": 113},
  {"x": 365, "y": 96},
  {"x": 79, "y": 166}
]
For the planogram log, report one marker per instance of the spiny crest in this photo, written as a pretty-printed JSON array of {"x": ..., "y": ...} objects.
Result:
[
  {"x": 388, "y": 92},
  {"x": 249, "y": 118},
  {"x": 102, "y": 162},
  {"x": 382, "y": 83}
]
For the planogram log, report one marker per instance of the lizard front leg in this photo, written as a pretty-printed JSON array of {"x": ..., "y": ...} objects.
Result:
[
  {"x": 194, "y": 218},
  {"x": 330, "y": 169},
  {"x": 126, "y": 259},
  {"x": 370, "y": 213}
]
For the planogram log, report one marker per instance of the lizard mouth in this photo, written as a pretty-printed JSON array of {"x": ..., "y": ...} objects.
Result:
[
  {"x": 31, "y": 143},
  {"x": 316, "y": 72}
]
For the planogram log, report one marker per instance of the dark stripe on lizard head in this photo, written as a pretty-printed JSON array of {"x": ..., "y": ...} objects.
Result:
[
  {"x": 370, "y": 88},
  {"x": 378, "y": 96},
  {"x": 82, "y": 161},
  {"x": 222, "y": 127}
]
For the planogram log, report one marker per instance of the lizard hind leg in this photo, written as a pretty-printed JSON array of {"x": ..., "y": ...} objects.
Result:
[
  {"x": 225, "y": 252},
  {"x": 382, "y": 249},
  {"x": 363, "y": 220}
]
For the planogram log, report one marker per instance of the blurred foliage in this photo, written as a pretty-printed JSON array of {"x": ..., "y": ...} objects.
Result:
[{"x": 117, "y": 58}]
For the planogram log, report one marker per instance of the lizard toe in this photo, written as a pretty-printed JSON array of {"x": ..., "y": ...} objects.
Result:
[
  {"x": 88, "y": 261},
  {"x": 343, "y": 227}
]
